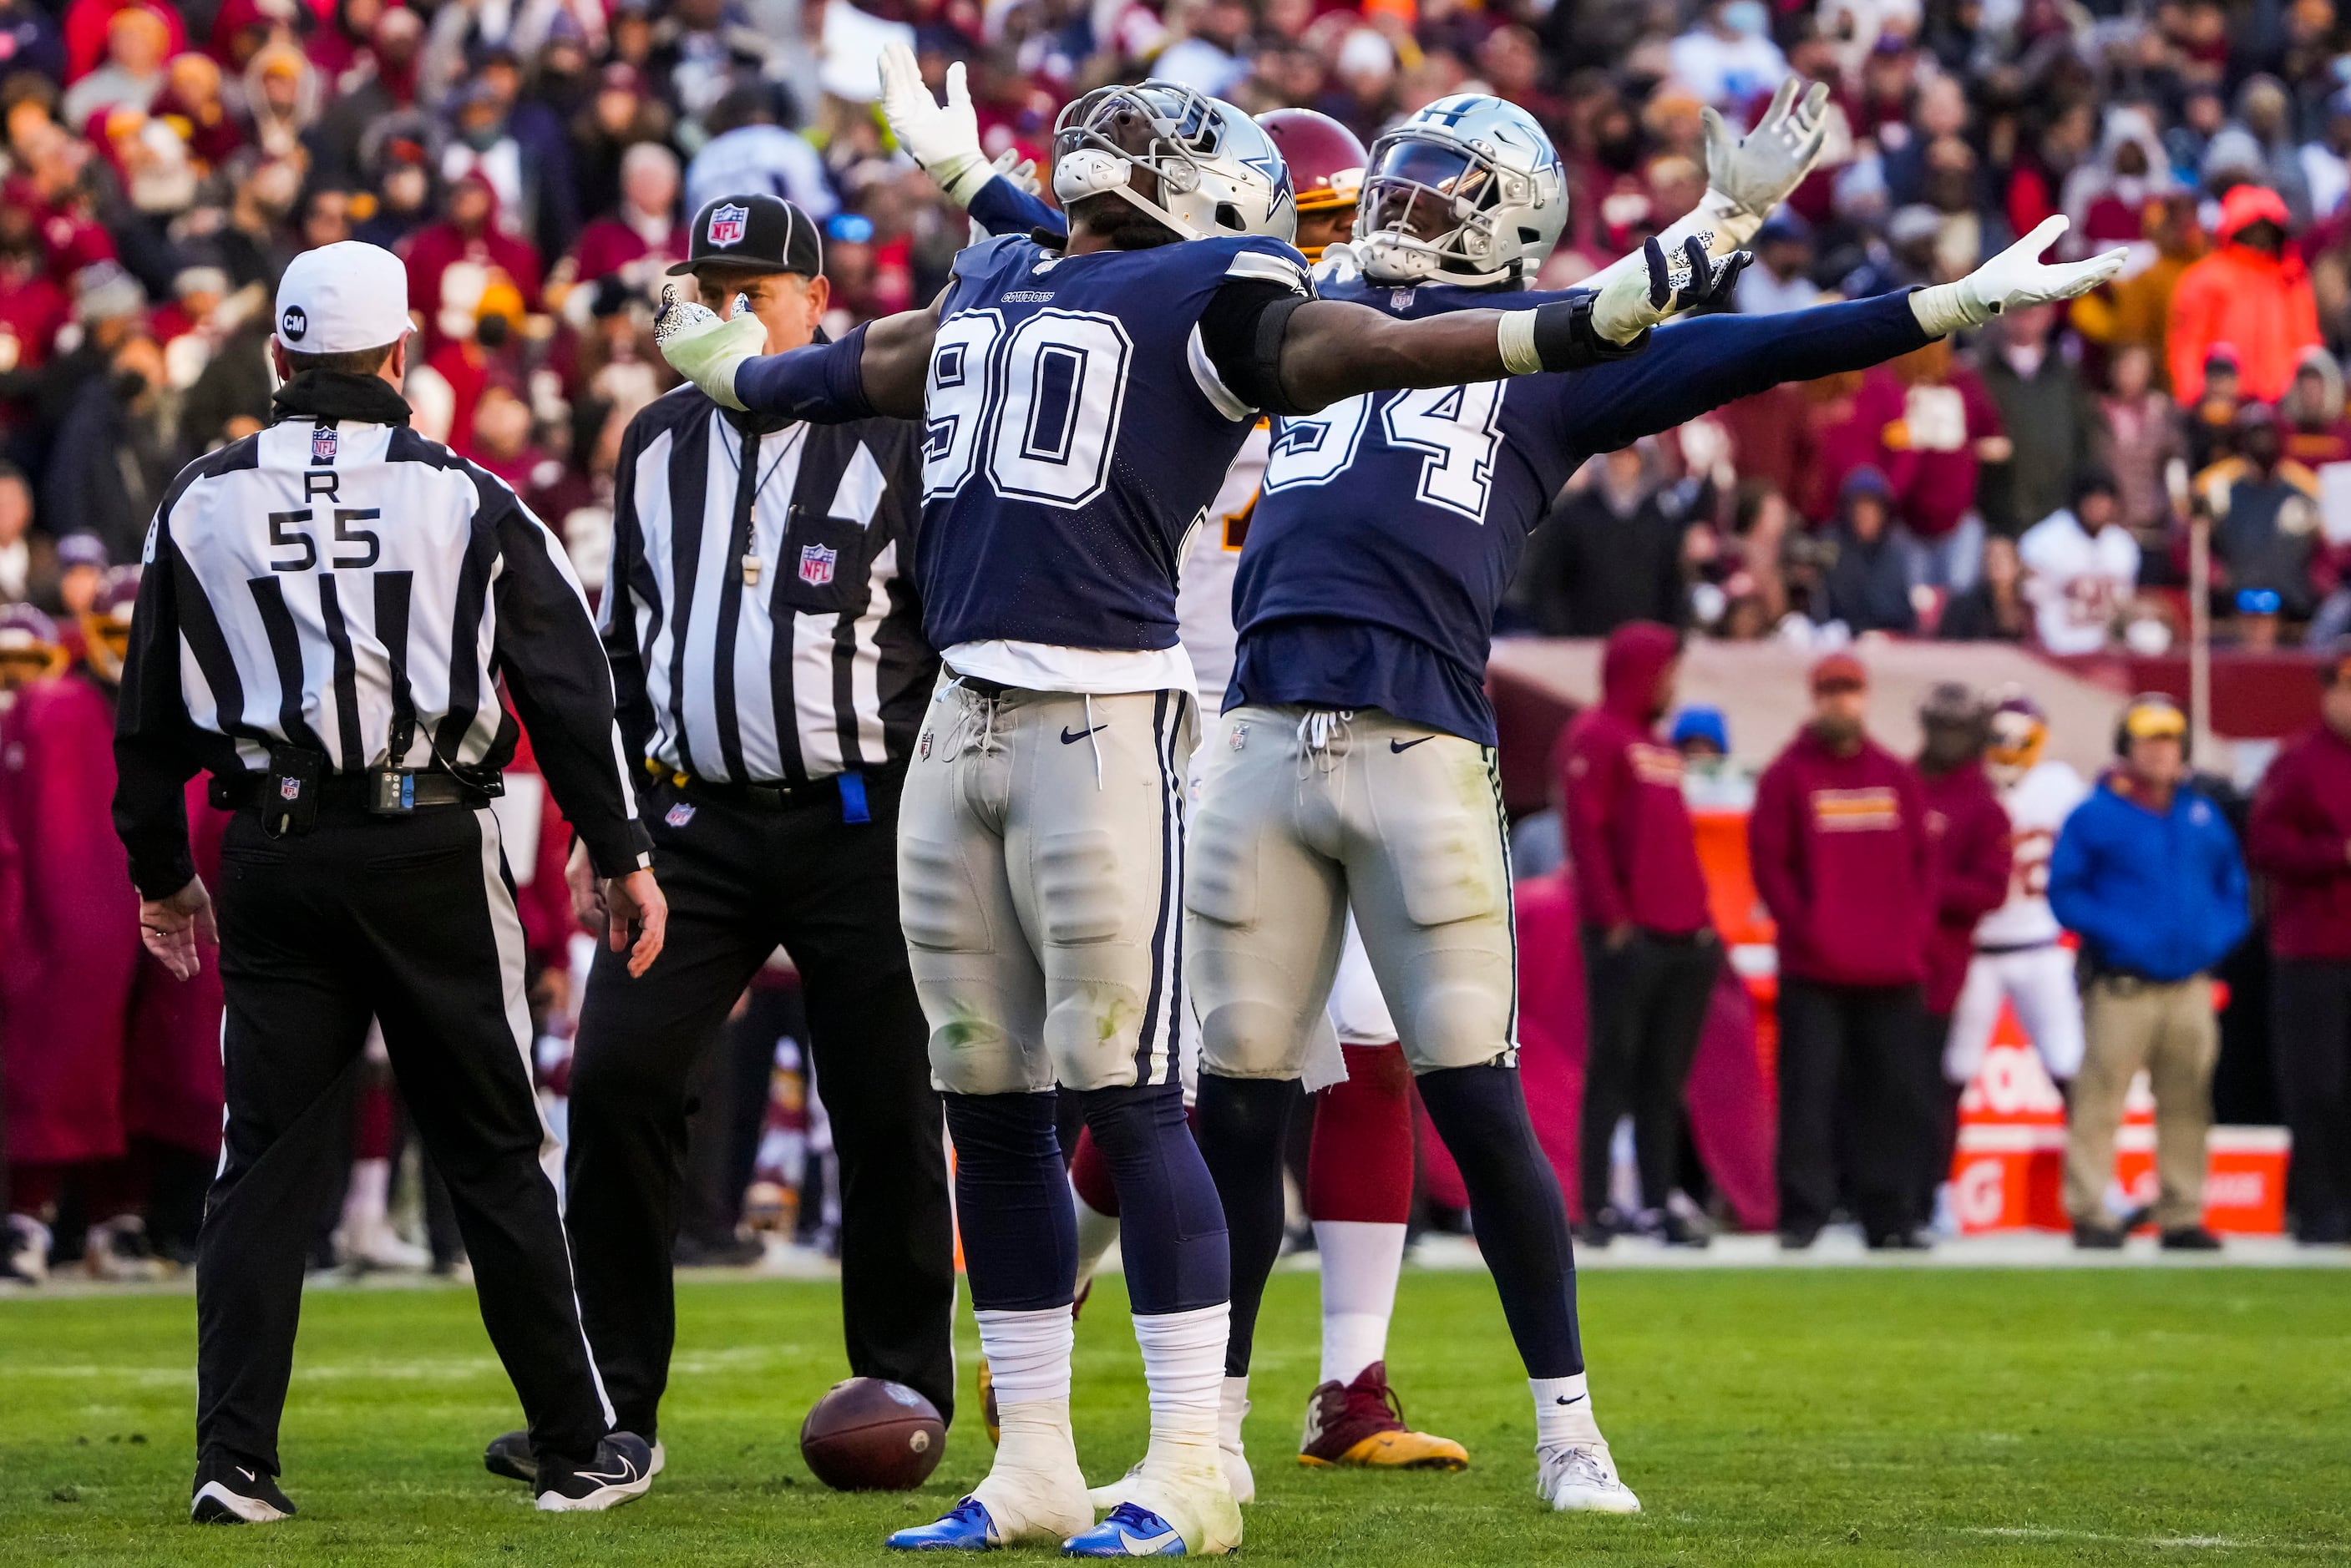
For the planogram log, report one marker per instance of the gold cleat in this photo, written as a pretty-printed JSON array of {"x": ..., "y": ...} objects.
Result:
[{"x": 1361, "y": 1424}]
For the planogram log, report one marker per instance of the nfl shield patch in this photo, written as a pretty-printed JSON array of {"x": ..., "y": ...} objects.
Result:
[
  {"x": 1239, "y": 738},
  {"x": 726, "y": 225},
  {"x": 679, "y": 814},
  {"x": 322, "y": 444},
  {"x": 289, "y": 789},
  {"x": 816, "y": 564},
  {"x": 922, "y": 746}
]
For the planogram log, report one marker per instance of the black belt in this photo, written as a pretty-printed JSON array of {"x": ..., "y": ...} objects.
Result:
[
  {"x": 383, "y": 792},
  {"x": 847, "y": 788},
  {"x": 2002, "y": 949}
]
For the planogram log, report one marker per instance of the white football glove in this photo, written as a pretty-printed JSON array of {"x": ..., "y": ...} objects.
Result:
[
  {"x": 1665, "y": 285},
  {"x": 2012, "y": 280},
  {"x": 943, "y": 139},
  {"x": 705, "y": 348},
  {"x": 1747, "y": 177}
]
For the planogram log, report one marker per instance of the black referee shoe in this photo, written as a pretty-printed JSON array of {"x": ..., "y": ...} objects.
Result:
[
  {"x": 621, "y": 1471},
  {"x": 509, "y": 1455},
  {"x": 227, "y": 1492}
]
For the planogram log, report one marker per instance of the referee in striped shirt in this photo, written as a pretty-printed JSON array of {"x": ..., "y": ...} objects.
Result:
[
  {"x": 767, "y": 652},
  {"x": 326, "y": 611}
]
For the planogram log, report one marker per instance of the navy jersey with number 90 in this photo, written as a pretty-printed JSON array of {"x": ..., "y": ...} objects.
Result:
[{"x": 1074, "y": 432}]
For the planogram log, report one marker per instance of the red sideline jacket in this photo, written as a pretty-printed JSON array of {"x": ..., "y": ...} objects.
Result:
[
  {"x": 1843, "y": 860},
  {"x": 1973, "y": 861},
  {"x": 2300, "y": 828},
  {"x": 1628, "y": 830}
]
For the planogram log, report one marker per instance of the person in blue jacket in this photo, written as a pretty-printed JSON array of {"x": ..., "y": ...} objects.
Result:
[{"x": 2150, "y": 876}]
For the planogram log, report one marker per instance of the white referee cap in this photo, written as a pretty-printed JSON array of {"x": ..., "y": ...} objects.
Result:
[{"x": 342, "y": 297}]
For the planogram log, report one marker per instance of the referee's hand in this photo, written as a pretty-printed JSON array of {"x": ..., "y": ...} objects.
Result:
[
  {"x": 636, "y": 901},
  {"x": 171, "y": 927}
]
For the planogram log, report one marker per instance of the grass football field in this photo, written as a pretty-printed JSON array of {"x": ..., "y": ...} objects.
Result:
[{"x": 1852, "y": 1416}]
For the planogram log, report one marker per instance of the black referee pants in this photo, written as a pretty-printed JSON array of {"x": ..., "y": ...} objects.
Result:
[
  {"x": 741, "y": 880},
  {"x": 411, "y": 920}
]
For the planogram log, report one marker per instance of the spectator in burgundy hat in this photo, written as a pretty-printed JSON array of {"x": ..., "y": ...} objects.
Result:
[
  {"x": 2300, "y": 838},
  {"x": 1844, "y": 862},
  {"x": 1650, "y": 954}
]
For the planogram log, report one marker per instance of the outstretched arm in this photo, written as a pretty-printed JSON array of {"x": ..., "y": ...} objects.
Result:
[
  {"x": 877, "y": 369},
  {"x": 1330, "y": 350},
  {"x": 943, "y": 138}
]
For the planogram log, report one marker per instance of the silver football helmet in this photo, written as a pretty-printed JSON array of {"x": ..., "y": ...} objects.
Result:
[
  {"x": 1467, "y": 190},
  {"x": 1218, "y": 171}
]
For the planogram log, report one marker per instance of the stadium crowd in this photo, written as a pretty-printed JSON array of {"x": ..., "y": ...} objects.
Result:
[{"x": 532, "y": 161}]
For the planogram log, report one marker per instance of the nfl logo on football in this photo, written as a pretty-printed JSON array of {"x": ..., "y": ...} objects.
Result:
[
  {"x": 816, "y": 564},
  {"x": 726, "y": 225}
]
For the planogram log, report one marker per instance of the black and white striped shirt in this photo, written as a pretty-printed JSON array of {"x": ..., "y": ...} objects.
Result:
[
  {"x": 355, "y": 589},
  {"x": 760, "y": 614}
]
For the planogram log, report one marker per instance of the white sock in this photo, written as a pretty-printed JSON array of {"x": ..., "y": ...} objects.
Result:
[
  {"x": 1361, "y": 1259},
  {"x": 1232, "y": 1404},
  {"x": 368, "y": 1198},
  {"x": 1184, "y": 1364},
  {"x": 1028, "y": 1358},
  {"x": 1096, "y": 1231},
  {"x": 1563, "y": 1411}
]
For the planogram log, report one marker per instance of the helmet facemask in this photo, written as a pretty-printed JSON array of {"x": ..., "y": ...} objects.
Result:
[
  {"x": 1199, "y": 183},
  {"x": 1438, "y": 204}
]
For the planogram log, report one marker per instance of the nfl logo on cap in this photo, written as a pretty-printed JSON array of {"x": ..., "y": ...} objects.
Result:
[
  {"x": 816, "y": 564},
  {"x": 726, "y": 225}
]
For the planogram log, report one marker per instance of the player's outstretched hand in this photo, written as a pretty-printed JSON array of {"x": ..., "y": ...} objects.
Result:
[
  {"x": 2013, "y": 280},
  {"x": 1668, "y": 285},
  {"x": 171, "y": 927},
  {"x": 1018, "y": 173},
  {"x": 1751, "y": 174},
  {"x": 636, "y": 905},
  {"x": 943, "y": 138},
  {"x": 702, "y": 347}
]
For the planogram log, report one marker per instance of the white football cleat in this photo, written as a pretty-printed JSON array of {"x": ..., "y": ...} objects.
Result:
[
  {"x": 1026, "y": 1502},
  {"x": 1580, "y": 1478}
]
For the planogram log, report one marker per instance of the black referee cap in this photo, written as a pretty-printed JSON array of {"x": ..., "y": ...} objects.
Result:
[{"x": 754, "y": 233}]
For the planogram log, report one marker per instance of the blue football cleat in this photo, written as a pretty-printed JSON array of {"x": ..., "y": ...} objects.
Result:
[
  {"x": 1129, "y": 1532},
  {"x": 965, "y": 1528}
]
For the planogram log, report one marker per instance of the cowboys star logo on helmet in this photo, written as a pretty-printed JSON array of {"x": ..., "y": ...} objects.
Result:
[
  {"x": 726, "y": 225},
  {"x": 1469, "y": 189},
  {"x": 1217, "y": 170}
]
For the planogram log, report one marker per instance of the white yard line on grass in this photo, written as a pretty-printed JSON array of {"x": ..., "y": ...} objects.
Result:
[{"x": 2172, "y": 1543}]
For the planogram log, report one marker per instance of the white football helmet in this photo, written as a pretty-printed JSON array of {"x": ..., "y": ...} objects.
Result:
[
  {"x": 1218, "y": 171},
  {"x": 1469, "y": 190}
]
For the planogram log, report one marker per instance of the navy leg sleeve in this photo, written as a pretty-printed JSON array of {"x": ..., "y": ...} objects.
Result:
[
  {"x": 1171, "y": 1228},
  {"x": 1244, "y": 1124},
  {"x": 1515, "y": 1208},
  {"x": 1012, "y": 1198}
]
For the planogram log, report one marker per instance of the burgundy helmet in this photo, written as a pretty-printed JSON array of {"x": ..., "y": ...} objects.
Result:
[
  {"x": 106, "y": 625},
  {"x": 1326, "y": 162},
  {"x": 30, "y": 648}
]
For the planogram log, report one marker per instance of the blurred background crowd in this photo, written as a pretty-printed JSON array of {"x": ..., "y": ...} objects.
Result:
[{"x": 534, "y": 161}]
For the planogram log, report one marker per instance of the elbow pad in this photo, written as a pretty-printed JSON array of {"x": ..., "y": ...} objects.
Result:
[{"x": 823, "y": 383}]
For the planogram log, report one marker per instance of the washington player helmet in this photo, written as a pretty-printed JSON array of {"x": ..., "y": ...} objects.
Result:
[
  {"x": 1217, "y": 173},
  {"x": 1326, "y": 162},
  {"x": 106, "y": 625},
  {"x": 30, "y": 648},
  {"x": 2020, "y": 729}
]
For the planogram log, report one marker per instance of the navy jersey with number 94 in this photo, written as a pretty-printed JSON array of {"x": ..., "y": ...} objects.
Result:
[
  {"x": 1390, "y": 524},
  {"x": 1075, "y": 431}
]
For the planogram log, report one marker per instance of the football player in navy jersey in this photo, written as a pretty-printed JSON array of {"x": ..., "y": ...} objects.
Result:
[
  {"x": 1360, "y": 1170},
  {"x": 1356, "y": 762},
  {"x": 1083, "y": 403}
]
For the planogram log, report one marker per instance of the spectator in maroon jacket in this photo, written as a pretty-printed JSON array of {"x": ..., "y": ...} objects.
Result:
[
  {"x": 1970, "y": 830},
  {"x": 2300, "y": 836},
  {"x": 1649, "y": 949},
  {"x": 1842, "y": 858}
]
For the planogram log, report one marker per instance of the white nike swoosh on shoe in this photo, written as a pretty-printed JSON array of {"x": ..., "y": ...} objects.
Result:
[
  {"x": 627, "y": 1473},
  {"x": 1147, "y": 1545},
  {"x": 243, "y": 1471},
  {"x": 252, "y": 1509}
]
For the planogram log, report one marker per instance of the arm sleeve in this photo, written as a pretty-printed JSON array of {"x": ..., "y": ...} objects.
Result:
[
  {"x": 616, "y": 622},
  {"x": 2283, "y": 840},
  {"x": 1240, "y": 336},
  {"x": 561, "y": 686},
  {"x": 2233, "y": 911},
  {"x": 153, "y": 753},
  {"x": 2071, "y": 896},
  {"x": 823, "y": 383},
  {"x": 1003, "y": 208},
  {"x": 1589, "y": 787},
  {"x": 1692, "y": 367},
  {"x": 1771, "y": 844}
]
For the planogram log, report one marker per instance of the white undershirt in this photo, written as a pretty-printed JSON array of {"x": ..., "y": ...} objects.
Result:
[{"x": 1093, "y": 672}]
